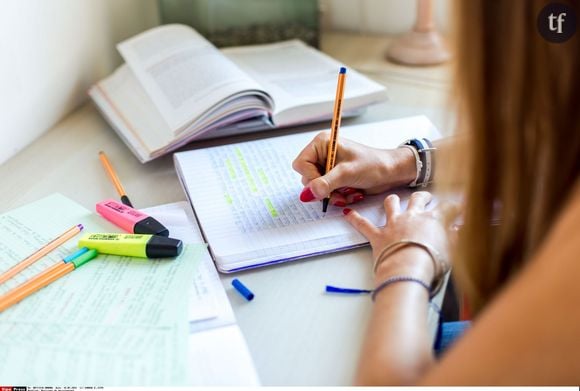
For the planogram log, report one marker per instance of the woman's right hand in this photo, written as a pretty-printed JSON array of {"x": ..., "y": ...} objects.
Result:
[{"x": 359, "y": 170}]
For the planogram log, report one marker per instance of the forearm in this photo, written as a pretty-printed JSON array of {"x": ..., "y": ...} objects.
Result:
[{"x": 397, "y": 348}]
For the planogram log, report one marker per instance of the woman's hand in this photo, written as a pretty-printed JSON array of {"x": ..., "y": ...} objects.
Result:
[
  {"x": 359, "y": 169},
  {"x": 415, "y": 223}
]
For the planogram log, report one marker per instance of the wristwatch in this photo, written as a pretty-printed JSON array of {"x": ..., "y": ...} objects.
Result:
[{"x": 424, "y": 158}]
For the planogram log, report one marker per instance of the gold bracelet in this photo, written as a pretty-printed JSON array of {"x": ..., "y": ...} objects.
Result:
[{"x": 440, "y": 265}]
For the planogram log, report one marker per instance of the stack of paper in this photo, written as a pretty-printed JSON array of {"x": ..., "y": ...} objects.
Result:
[{"x": 117, "y": 321}]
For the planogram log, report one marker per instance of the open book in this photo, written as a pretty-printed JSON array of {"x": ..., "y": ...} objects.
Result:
[
  {"x": 245, "y": 197},
  {"x": 176, "y": 87}
]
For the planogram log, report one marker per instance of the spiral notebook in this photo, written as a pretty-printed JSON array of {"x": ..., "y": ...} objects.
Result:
[{"x": 245, "y": 197}]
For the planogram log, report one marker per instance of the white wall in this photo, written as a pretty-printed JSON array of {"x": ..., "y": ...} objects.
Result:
[
  {"x": 378, "y": 16},
  {"x": 51, "y": 52}
]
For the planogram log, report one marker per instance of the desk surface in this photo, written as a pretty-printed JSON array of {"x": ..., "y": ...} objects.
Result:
[{"x": 296, "y": 334}]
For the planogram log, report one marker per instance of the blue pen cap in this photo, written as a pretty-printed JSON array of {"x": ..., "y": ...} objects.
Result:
[
  {"x": 342, "y": 70},
  {"x": 241, "y": 288}
]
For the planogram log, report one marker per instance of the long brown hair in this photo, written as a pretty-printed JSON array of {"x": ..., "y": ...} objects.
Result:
[{"x": 519, "y": 99}]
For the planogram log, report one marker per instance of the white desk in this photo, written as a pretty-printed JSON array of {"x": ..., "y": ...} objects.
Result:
[{"x": 296, "y": 334}]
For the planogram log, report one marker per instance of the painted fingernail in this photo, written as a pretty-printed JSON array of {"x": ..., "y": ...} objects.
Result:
[
  {"x": 346, "y": 211},
  {"x": 358, "y": 198},
  {"x": 340, "y": 204},
  {"x": 307, "y": 195},
  {"x": 348, "y": 190}
]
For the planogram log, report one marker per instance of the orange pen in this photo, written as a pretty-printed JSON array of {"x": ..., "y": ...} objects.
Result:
[
  {"x": 43, "y": 279},
  {"x": 40, "y": 253},
  {"x": 333, "y": 142},
  {"x": 114, "y": 178}
]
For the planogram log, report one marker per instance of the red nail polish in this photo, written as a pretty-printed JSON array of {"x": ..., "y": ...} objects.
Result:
[
  {"x": 340, "y": 204},
  {"x": 348, "y": 190},
  {"x": 307, "y": 195},
  {"x": 346, "y": 211},
  {"x": 358, "y": 198}
]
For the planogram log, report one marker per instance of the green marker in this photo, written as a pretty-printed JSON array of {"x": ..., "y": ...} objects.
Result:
[{"x": 132, "y": 245}]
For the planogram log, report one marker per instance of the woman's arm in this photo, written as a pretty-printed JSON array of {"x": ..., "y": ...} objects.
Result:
[
  {"x": 397, "y": 348},
  {"x": 530, "y": 334}
]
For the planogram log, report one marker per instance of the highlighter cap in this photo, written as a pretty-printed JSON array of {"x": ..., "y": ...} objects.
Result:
[
  {"x": 162, "y": 247},
  {"x": 150, "y": 226}
]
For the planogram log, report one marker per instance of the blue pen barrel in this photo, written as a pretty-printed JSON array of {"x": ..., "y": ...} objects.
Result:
[{"x": 241, "y": 288}]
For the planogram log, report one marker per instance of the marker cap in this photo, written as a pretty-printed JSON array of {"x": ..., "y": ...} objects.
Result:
[
  {"x": 162, "y": 247},
  {"x": 84, "y": 258},
  {"x": 242, "y": 289},
  {"x": 150, "y": 226}
]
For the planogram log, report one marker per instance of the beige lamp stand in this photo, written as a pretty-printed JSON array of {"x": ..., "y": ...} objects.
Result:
[{"x": 423, "y": 45}]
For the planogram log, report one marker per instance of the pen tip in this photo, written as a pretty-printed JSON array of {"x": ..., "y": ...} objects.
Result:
[
  {"x": 325, "y": 205},
  {"x": 81, "y": 227},
  {"x": 342, "y": 70}
]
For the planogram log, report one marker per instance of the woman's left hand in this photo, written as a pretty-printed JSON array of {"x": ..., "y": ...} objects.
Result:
[{"x": 415, "y": 223}]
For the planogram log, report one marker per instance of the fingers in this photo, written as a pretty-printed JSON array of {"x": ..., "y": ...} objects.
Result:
[
  {"x": 337, "y": 199},
  {"x": 418, "y": 200},
  {"x": 341, "y": 198},
  {"x": 392, "y": 206},
  {"x": 309, "y": 160},
  {"x": 338, "y": 177},
  {"x": 361, "y": 224},
  {"x": 355, "y": 197}
]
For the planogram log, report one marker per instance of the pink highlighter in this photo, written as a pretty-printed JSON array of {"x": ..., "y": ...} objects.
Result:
[{"x": 129, "y": 219}]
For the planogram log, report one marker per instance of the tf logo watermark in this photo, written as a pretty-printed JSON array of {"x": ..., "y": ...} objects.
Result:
[{"x": 557, "y": 22}]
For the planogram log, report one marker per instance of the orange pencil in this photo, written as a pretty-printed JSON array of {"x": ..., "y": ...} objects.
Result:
[
  {"x": 43, "y": 279},
  {"x": 333, "y": 142},
  {"x": 40, "y": 253},
  {"x": 114, "y": 178}
]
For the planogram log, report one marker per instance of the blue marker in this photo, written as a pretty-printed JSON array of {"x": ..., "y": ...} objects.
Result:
[{"x": 248, "y": 295}]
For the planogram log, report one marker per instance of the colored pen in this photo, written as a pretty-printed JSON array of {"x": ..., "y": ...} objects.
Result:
[
  {"x": 40, "y": 253},
  {"x": 335, "y": 125},
  {"x": 347, "y": 291},
  {"x": 242, "y": 289},
  {"x": 45, "y": 278},
  {"x": 57, "y": 265},
  {"x": 131, "y": 245},
  {"x": 114, "y": 178},
  {"x": 129, "y": 219}
]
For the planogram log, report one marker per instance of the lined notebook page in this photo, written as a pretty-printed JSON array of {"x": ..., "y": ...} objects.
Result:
[{"x": 245, "y": 196}]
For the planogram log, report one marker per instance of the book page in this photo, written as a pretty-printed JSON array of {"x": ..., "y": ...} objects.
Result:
[
  {"x": 249, "y": 209},
  {"x": 133, "y": 115},
  {"x": 114, "y": 321},
  {"x": 184, "y": 74},
  {"x": 297, "y": 75}
]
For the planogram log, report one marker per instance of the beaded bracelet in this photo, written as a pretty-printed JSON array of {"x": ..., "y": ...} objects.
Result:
[{"x": 392, "y": 280}]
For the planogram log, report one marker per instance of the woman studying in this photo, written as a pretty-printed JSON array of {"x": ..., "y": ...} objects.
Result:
[{"x": 517, "y": 95}]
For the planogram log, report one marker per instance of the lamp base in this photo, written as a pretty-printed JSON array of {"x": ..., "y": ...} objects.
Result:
[{"x": 419, "y": 48}]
